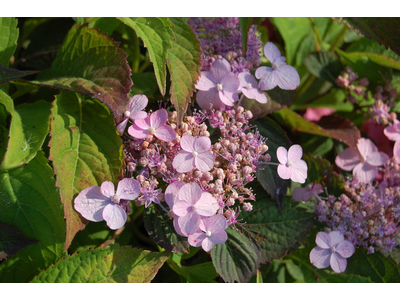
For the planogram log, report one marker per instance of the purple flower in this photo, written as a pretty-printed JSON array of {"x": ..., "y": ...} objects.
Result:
[
  {"x": 150, "y": 195},
  {"x": 193, "y": 204},
  {"x": 305, "y": 194},
  {"x": 194, "y": 154},
  {"x": 249, "y": 87},
  {"x": 332, "y": 250},
  {"x": 212, "y": 231},
  {"x": 135, "y": 106},
  {"x": 96, "y": 203},
  {"x": 155, "y": 124},
  {"x": 365, "y": 168},
  {"x": 218, "y": 87},
  {"x": 281, "y": 74},
  {"x": 291, "y": 165}
]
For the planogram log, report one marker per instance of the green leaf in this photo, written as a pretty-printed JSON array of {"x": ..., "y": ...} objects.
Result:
[
  {"x": 90, "y": 63},
  {"x": 277, "y": 233},
  {"x": 104, "y": 25},
  {"x": 161, "y": 230},
  {"x": 12, "y": 241},
  {"x": 245, "y": 23},
  {"x": 324, "y": 65},
  {"x": 238, "y": 258},
  {"x": 335, "y": 98},
  {"x": 267, "y": 175},
  {"x": 371, "y": 46},
  {"x": 184, "y": 65},
  {"x": 8, "y": 39},
  {"x": 30, "y": 203},
  {"x": 29, "y": 127},
  {"x": 383, "y": 30},
  {"x": 259, "y": 277},
  {"x": 157, "y": 35},
  {"x": 144, "y": 83},
  {"x": 201, "y": 273},
  {"x": 8, "y": 74},
  {"x": 86, "y": 150},
  {"x": 293, "y": 31},
  {"x": 114, "y": 264}
]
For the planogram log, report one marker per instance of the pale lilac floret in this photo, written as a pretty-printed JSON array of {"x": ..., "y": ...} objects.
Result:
[
  {"x": 98, "y": 203},
  {"x": 281, "y": 74},
  {"x": 291, "y": 165},
  {"x": 249, "y": 87},
  {"x": 135, "y": 106},
  {"x": 193, "y": 204},
  {"x": 150, "y": 195},
  {"x": 365, "y": 168},
  {"x": 306, "y": 193},
  {"x": 155, "y": 124},
  {"x": 218, "y": 87},
  {"x": 212, "y": 231},
  {"x": 194, "y": 154},
  {"x": 332, "y": 249}
]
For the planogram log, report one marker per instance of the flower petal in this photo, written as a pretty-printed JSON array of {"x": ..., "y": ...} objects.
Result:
[
  {"x": 271, "y": 52},
  {"x": 128, "y": 189},
  {"x": 207, "y": 205},
  {"x": 206, "y": 98},
  {"x": 196, "y": 238},
  {"x": 396, "y": 150},
  {"x": 218, "y": 236},
  {"x": 137, "y": 132},
  {"x": 284, "y": 172},
  {"x": 114, "y": 215},
  {"x": 282, "y": 155},
  {"x": 365, "y": 172},
  {"x": 138, "y": 115},
  {"x": 171, "y": 193},
  {"x": 177, "y": 228},
  {"x": 216, "y": 222},
  {"x": 320, "y": 258},
  {"x": 298, "y": 194},
  {"x": 295, "y": 153},
  {"x": 230, "y": 83},
  {"x": 227, "y": 98},
  {"x": 323, "y": 240},
  {"x": 107, "y": 189},
  {"x": 121, "y": 126},
  {"x": 143, "y": 124},
  {"x": 181, "y": 208},
  {"x": 90, "y": 203},
  {"x": 158, "y": 118},
  {"x": 377, "y": 159},
  {"x": 187, "y": 143},
  {"x": 190, "y": 192},
  {"x": 347, "y": 159},
  {"x": 201, "y": 144},
  {"x": 189, "y": 223},
  {"x": 184, "y": 162},
  {"x": 270, "y": 79},
  {"x": 366, "y": 147},
  {"x": 137, "y": 103},
  {"x": 220, "y": 68},
  {"x": 165, "y": 133},
  {"x": 299, "y": 171},
  {"x": 206, "y": 82},
  {"x": 288, "y": 78},
  {"x": 345, "y": 249},
  {"x": 207, "y": 244},
  {"x": 204, "y": 161},
  {"x": 393, "y": 132},
  {"x": 338, "y": 263},
  {"x": 336, "y": 238}
]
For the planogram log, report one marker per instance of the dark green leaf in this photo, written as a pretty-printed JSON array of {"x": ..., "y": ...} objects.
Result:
[
  {"x": 324, "y": 65},
  {"x": 144, "y": 83},
  {"x": 8, "y": 39},
  {"x": 245, "y": 23},
  {"x": 238, "y": 258},
  {"x": 8, "y": 74}
]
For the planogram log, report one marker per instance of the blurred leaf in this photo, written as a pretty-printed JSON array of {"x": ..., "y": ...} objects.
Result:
[
  {"x": 86, "y": 150},
  {"x": 29, "y": 127},
  {"x": 8, "y": 74},
  {"x": 293, "y": 31},
  {"x": 324, "y": 65},
  {"x": 245, "y": 23},
  {"x": 267, "y": 174},
  {"x": 8, "y": 39},
  {"x": 113, "y": 264},
  {"x": 238, "y": 258},
  {"x": 144, "y": 83},
  {"x": 317, "y": 145},
  {"x": 335, "y": 98},
  {"x": 161, "y": 230},
  {"x": 95, "y": 234},
  {"x": 184, "y": 65},
  {"x": 30, "y": 203},
  {"x": 157, "y": 35},
  {"x": 200, "y": 273},
  {"x": 385, "y": 30},
  {"x": 371, "y": 46},
  {"x": 259, "y": 277},
  {"x": 12, "y": 241},
  {"x": 104, "y": 24},
  {"x": 278, "y": 233},
  {"x": 90, "y": 63}
]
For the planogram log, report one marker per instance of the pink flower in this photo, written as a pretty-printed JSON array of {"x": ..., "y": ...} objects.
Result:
[
  {"x": 393, "y": 132},
  {"x": 291, "y": 165},
  {"x": 194, "y": 154},
  {"x": 249, "y": 87},
  {"x": 365, "y": 168},
  {"x": 306, "y": 193},
  {"x": 193, "y": 204},
  {"x": 281, "y": 74},
  {"x": 155, "y": 124},
  {"x": 332, "y": 250},
  {"x": 102, "y": 203},
  {"x": 218, "y": 87},
  {"x": 212, "y": 231},
  {"x": 171, "y": 196},
  {"x": 315, "y": 114},
  {"x": 136, "y": 104},
  {"x": 150, "y": 195}
]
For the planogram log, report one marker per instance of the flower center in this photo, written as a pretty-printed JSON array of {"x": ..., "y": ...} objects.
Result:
[
  {"x": 194, "y": 153},
  {"x": 127, "y": 113},
  {"x": 151, "y": 130},
  {"x": 249, "y": 86},
  {"x": 333, "y": 249},
  {"x": 275, "y": 66},
  {"x": 219, "y": 87},
  {"x": 208, "y": 233},
  {"x": 115, "y": 199},
  {"x": 289, "y": 163}
]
